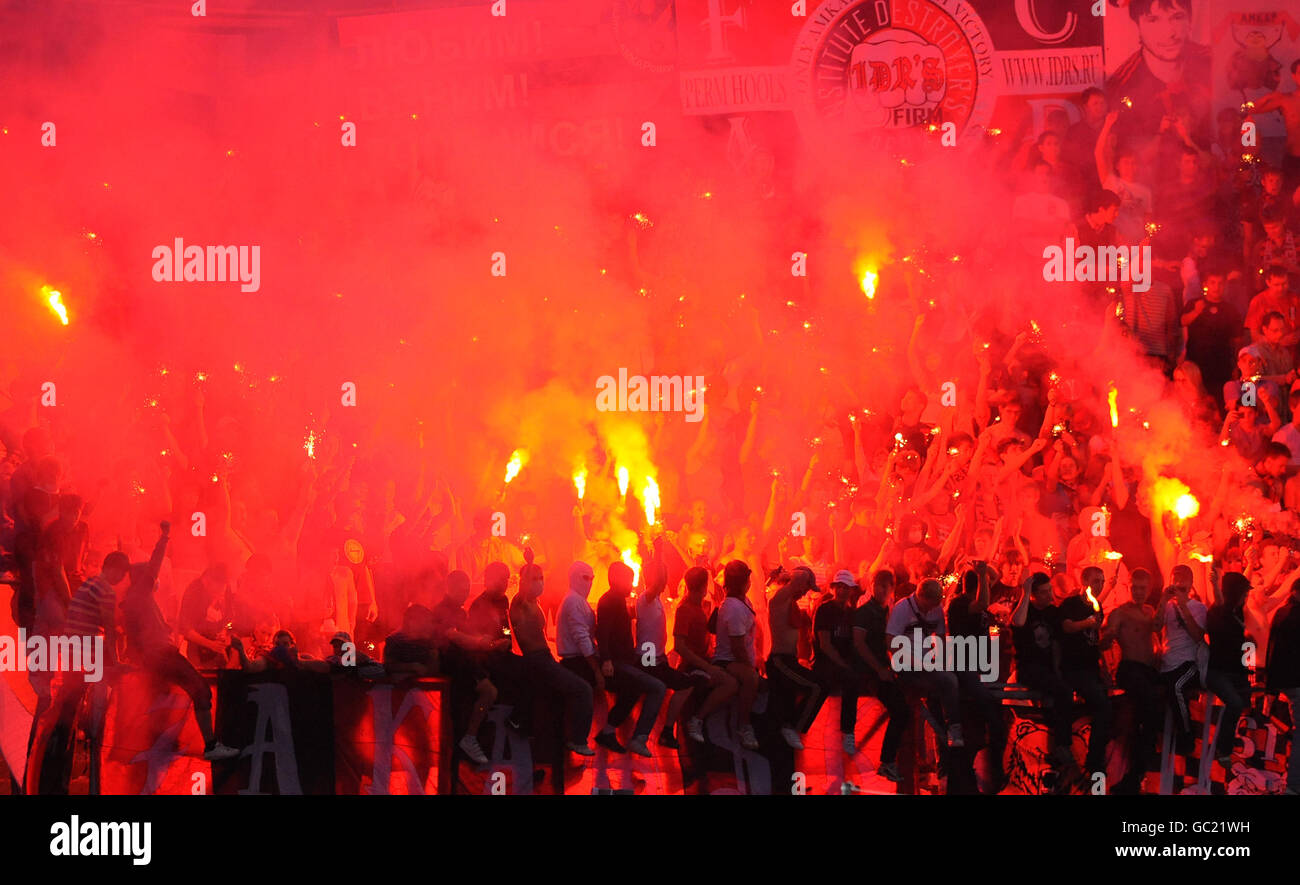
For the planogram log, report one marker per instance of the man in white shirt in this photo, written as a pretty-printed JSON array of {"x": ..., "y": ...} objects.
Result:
[
  {"x": 735, "y": 647},
  {"x": 1183, "y": 620},
  {"x": 575, "y": 628},
  {"x": 923, "y": 611}
]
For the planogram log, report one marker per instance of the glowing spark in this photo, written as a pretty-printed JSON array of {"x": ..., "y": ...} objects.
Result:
[
  {"x": 642, "y": 221},
  {"x": 869, "y": 279},
  {"x": 518, "y": 458},
  {"x": 200, "y": 377},
  {"x": 1112, "y": 397},
  {"x": 54, "y": 298},
  {"x": 309, "y": 444},
  {"x": 216, "y": 478},
  {"x": 580, "y": 481},
  {"x": 650, "y": 495},
  {"x": 1127, "y": 102},
  {"x": 1152, "y": 228},
  {"x": 623, "y": 478}
]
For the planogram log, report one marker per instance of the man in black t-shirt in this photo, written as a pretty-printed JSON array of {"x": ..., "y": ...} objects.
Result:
[
  {"x": 869, "y": 643},
  {"x": 1213, "y": 329},
  {"x": 1036, "y": 631},
  {"x": 1081, "y": 620},
  {"x": 1226, "y": 677},
  {"x": 489, "y": 619},
  {"x": 968, "y": 616},
  {"x": 457, "y": 651},
  {"x": 833, "y": 658}
]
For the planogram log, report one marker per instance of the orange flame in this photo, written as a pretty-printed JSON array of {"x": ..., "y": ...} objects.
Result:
[
  {"x": 54, "y": 298},
  {"x": 650, "y": 495},
  {"x": 631, "y": 561},
  {"x": 868, "y": 283},
  {"x": 518, "y": 458}
]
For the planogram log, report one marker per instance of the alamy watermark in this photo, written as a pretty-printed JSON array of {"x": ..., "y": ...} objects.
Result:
[
  {"x": 657, "y": 393},
  {"x": 179, "y": 263},
  {"x": 53, "y": 654},
  {"x": 921, "y": 653},
  {"x": 1081, "y": 263}
]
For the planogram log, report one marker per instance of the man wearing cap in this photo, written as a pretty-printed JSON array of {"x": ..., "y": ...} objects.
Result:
[
  {"x": 833, "y": 657},
  {"x": 1246, "y": 391},
  {"x": 347, "y": 658}
]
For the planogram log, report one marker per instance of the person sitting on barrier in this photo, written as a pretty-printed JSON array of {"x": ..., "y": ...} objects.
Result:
[
  {"x": 1081, "y": 619},
  {"x": 1182, "y": 619},
  {"x": 1226, "y": 676},
  {"x": 529, "y": 625},
  {"x": 1132, "y": 625},
  {"x": 652, "y": 644},
  {"x": 283, "y": 655},
  {"x": 575, "y": 629},
  {"x": 869, "y": 621},
  {"x": 834, "y": 663},
  {"x": 149, "y": 641},
  {"x": 691, "y": 642},
  {"x": 617, "y": 650},
  {"x": 347, "y": 658},
  {"x": 1036, "y": 633},
  {"x": 735, "y": 646},
  {"x": 787, "y": 679},
  {"x": 923, "y": 611},
  {"x": 489, "y": 617},
  {"x": 456, "y": 647}
]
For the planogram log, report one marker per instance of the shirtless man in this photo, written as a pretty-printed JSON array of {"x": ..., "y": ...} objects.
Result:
[
  {"x": 1288, "y": 103},
  {"x": 545, "y": 673},
  {"x": 1132, "y": 625}
]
